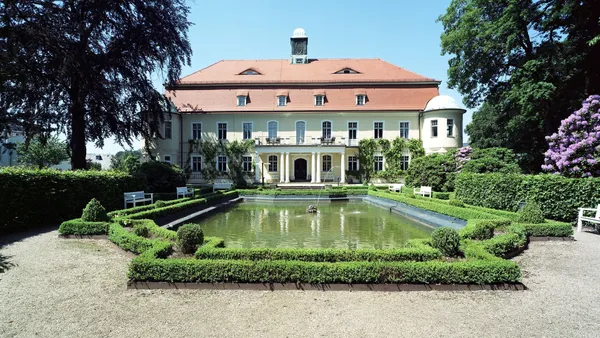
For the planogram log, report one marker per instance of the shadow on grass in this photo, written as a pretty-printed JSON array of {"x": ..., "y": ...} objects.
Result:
[{"x": 5, "y": 264}]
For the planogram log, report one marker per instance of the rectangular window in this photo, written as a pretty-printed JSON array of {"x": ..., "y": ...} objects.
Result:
[
  {"x": 404, "y": 160},
  {"x": 272, "y": 127},
  {"x": 273, "y": 163},
  {"x": 434, "y": 128},
  {"x": 168, "y": 130},
  {"x": 319, "y": 100},
  {"x": 377, "y": 129},
  {"x": 352, "y": 130},
  {"x": 326, "y": 130},
  {"x": 378, "y": 165},
  {"x": 450, "y": 128},
  {"x": 247, "y": 163},
  {"x": 196, "y": 163},
  {"x": 360, "y": 100},
  {"x": 326, "y": 163},
  {"x": 167, "y": 159},
  {"x": 196, "y": 131},
  {"x": 352, "y": 163},
  {"x": 222, "y": 130},
  {"x": 281, "y": 100},
  {"x": 241, "y": 100},
  {"x": 404, "y": 128},
  {"x": 222, "y": 164},
  {"x": 247, "y": 130}
]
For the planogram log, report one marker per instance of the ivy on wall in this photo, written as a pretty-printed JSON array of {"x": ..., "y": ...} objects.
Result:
[
  {"x": 210, "y": 149},
  {"x": 392, "y": 153}
]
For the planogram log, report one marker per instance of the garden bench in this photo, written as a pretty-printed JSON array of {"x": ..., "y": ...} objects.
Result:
[
  {"x": 395, "y": 187},
  {"x": 137, "y": 197},
  {"x": 222, "y": 184},
  {"x": 184, "y": 192},
  {"x": 582, "y": 217},
  {"x": 423, "y": 191}
]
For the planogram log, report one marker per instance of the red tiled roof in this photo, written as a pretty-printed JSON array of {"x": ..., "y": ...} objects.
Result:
[
  {"x": 299, "y": 99},
  {"x": 316, "y": 71}
]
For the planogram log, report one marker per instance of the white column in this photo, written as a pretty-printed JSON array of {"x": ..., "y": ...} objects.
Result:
[
  {"x": 319, "y": 167},
  {"x": 287, "y": 167},
  {"x": 343, "y": 168},
  {"x": 313, "y": 172},
  {"x": 281, "y": 168},
  {"x": 257, "y": 168}
]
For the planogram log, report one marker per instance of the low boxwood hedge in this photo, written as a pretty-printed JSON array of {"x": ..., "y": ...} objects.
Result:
[
  {"x": 549, "y": 229},
  {"x": 79, "y": 227}
]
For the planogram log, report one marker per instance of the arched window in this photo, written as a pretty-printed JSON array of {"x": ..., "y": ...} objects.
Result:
[
  {"x": 272, "y": 126},
  {"x": 273, "y": 163},
  {"x": 326, "y": 163},
  {"x": 326, "y": 129}
]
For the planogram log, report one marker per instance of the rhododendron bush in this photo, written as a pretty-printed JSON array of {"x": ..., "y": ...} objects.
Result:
[{"x": 575, "y": 150}]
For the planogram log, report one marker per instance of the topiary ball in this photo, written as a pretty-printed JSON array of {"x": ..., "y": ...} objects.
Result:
[
  {"x": 446, "y": 240},
  {"x": 94, "y": 212},
  {"x": 531, "y": 213},
  {"x": 189, "y": 238},
  {"x": 160, "y": 204},
  {"x": 483, "y": 230}
]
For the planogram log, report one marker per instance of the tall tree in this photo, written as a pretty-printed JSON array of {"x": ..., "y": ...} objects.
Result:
[
  {"x": 524, "y": 63},
  {"x": 84, "y": 67}
]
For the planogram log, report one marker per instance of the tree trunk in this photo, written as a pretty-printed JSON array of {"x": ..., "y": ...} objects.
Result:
[{"x": 78, "y": 149}]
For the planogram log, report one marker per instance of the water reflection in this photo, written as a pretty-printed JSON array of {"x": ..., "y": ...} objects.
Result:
[{"x": 336, "y": 225}]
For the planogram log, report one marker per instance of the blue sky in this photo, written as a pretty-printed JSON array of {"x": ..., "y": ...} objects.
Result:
[{"x": 402, "y": 32}]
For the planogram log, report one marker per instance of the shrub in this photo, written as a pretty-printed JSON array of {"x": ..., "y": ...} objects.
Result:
[
  {"x": 189, "y": 238},
  {"x": 484, "y": 230},
  {"x": 456, "y": 203},
  {"x": 435, "y": 170},
  {"x": 79, "y": 227},
  {"x": 531, "y": 213},
  {"x": 58, "y": 196},
  {"x": 160, "y": 177},
  {"x": 446, "y": 240},
  {"x": 94, "y": 212},
  {"x": 160, "y": 204},
  {"x": 441, "y": 195},
  {"x": 141, "y": 230},
  {"x": 491, "y": 160}
]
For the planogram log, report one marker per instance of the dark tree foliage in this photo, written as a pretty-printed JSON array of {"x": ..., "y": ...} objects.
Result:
[
  {"x": 525, "y": 63},
  {"x": 84, "y": 67}
]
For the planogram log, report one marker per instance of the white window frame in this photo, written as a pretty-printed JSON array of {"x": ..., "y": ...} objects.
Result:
[
  {"x": 375, "y": 162},
  {"x": 348, "y": 127},
  {"x": 270, "y": 166},
  {"x": 192, "y": 130},
  {"x": 226, "y": 130},
  {"x": 165, "y": 159},
  {"x": 355, "y": 160},
  {"x": 170, "y": 123},
  {"x": 407, "y": 129},
  {"x": 192, "y": 163},
  {"x": 404, "y": 159},
  {"x": 279, "y": 97},
  {"x": 296, "y": 130},
  {"x": 219, "y": 162},
  {"x": 276, "y": 129},
  {"x": 330, "y": 129},
  {"x": 242, "y": 103},
  {"x": 358, "y": 99},
  {"x": 323, "y": 162},
  {"x": 450, "y": 128},
  {"x": 437, "y": 130},
  {"x": 382, "y": 129},
  {"x": 251, "y": 130},
  {"x": 322, "y": 100},
  {"x": 245, "y": 163}
]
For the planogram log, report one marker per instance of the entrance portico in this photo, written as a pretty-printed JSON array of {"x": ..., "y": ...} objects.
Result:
[{"x": 284, "y": 164}]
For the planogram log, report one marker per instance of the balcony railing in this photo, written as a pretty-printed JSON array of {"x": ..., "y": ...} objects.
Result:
[{"x": 306, "y": 141}]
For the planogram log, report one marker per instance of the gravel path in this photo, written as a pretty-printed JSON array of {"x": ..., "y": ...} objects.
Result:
[{"x": 76, "y": 288}]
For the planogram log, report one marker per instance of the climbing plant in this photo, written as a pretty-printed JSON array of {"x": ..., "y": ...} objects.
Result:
[
  {"x": 366, "y": 159},
  {"x": 235, "y": 152},
  {"x": 210, "y": 149},
  {"x": 415, "y": 147},
  {"x": 391, "y": 151}
]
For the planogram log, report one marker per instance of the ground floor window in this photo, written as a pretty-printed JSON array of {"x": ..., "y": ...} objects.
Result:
[
  {"x": 167, "y": 159},
  {"x": 326, "y": 163},
  {"x": 247, "y": 163},
  {"x": 378, "y": 165},
  {"x": 222, "y": 163},
  {"x": 196, "y": 163},
  {"x": 352, "y": 163},
  {"x": 404, "y": 160},
  {"x": 273, "y": 163}
]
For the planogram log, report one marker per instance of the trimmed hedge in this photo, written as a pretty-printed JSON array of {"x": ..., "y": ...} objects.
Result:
[
  {"x": 549, "y": 229},
  {"x": 80, "y": 227},
  {"x": 558, "y": 196},
  {"x": 480, "y": 229},
  {"x": 32, "y": 198},
  {"x": 440, "y": 195}
]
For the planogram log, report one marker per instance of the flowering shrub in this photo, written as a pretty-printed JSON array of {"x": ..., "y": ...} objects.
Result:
[
  {"x": 575, "y": 150},
  {"x": 462, "y": 156}
]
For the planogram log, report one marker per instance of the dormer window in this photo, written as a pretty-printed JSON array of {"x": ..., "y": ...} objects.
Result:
[
  {"x": 346, "y": 71},
  {"x": 241, "y": 100},
  {"x": 281, "y": 100},
  {"x": 361, "y": 99},
  {"x": 319, "y": 100},
  {"x": 250, "y": 71}
]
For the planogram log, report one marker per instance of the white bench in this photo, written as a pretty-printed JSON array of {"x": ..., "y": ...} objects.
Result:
[
  {"x": 582, "y": 217},
  {"x": 395, "y": 187},
  {"x": 137, "y": 197},
  {"x": 423, "y": 191},
  {"x": 184, "y": 192},
  {"x": 222, "y": 184}
]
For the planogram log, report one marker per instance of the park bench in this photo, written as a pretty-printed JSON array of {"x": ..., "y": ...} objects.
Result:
[
  {"x": 423, "y": 191},
  {"x": 222, "y": 185},
  {"x": 137, "y": 197},
  {"x": 395, "y": 187},
  {"x": 582, "y": 218},
  {"x": 185, "y": 192}
]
